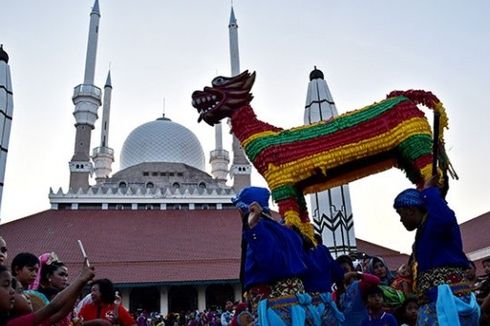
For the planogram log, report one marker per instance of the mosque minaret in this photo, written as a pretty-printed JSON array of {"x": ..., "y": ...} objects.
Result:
[
  {"x": 331, "y": 210},
  {"x": 103, "y": 156},
  {"x": 241, "y": 168},
  {"x": 87, "y": 99},
  {"x": 6, "y": 110}
]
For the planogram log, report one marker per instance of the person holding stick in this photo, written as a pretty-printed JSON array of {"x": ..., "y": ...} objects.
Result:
[
  {"x": 273, "y": 264},
  {"x": 438, "y": 261},
  {"x": 55, "y": 311}
]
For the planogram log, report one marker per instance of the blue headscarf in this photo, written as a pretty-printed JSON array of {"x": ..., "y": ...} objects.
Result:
[
  {"x": 409, "y": 197},
  {"x": 248, "y": 195}
]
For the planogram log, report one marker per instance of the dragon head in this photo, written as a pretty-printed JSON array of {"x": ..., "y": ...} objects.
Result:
[{"x": 226, "y": 95}]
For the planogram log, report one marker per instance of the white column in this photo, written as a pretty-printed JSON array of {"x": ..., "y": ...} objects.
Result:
[
  {"x": 237, "y": 289},
  {"x": 125, "y": 297},
  {"x": 201, "y": 297},
  {"x": 92, "y": 44},
  {"x": 163, "y": 300},
  {"x": 331, "y": 210}
]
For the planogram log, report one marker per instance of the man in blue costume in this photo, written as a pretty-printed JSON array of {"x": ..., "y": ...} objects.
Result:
[
  {"x": 438, "y": 260},
  {"x": 322, "y": 271},
  {"x": 273, "y": 264}
]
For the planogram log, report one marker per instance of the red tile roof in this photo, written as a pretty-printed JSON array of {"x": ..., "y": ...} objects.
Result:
[
  {"x": 393, "y": 259},
  {"x": 150, "y": 246},
  {"x": 136, "y": 246},
  {"x": 475, "y": 233}
]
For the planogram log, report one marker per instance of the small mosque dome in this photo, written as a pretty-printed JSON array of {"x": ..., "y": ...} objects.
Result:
[
  {"x": 316, "y": 74},
  {"x": 162, "y": 141}
]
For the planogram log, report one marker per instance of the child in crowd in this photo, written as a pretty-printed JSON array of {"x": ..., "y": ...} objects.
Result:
[
  {"x": 24, "y": 268},
  {"x": 407, "y": 312},
  {"x": 349, "y": 297},
  {"x": 484, "y": 285},
  {"x": 470, "y": 275},
  {"x": 403, "y": 280},
  {"x": 373, "y": 299},
  {"x": 56, "y": 310}
]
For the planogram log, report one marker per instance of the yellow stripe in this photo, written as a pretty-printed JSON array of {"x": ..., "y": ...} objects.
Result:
[
  {"x": 258, "y": 135},
  {"x": 291, "y": 172}
]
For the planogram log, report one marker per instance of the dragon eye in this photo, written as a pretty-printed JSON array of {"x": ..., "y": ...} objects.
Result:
[{"x": 218, "y": 81}]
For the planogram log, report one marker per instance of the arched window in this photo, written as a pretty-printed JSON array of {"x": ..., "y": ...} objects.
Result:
[
  {"x": 182, "y": 298},
  {"x": 218, "y": 294}
]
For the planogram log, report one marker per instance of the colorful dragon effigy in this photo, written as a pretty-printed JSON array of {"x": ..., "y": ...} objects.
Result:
[{"x": 312, "y": 158}]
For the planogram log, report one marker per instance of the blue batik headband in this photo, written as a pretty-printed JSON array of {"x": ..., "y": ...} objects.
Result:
[
  {"x": 409, "y": 197},
  {"x": 248, "y": 195}
]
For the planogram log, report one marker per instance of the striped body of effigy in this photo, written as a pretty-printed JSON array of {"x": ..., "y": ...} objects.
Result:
[{"x": 312, "y": 158}]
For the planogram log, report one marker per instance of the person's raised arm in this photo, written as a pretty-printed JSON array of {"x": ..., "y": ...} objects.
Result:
[{"x": 64, "y": 301}]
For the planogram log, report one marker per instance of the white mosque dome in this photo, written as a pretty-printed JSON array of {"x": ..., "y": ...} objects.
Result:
[{"x": 162, "y": 140}]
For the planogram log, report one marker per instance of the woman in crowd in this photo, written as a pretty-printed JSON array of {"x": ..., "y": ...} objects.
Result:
[
  {"x": 377, "y": 266},
  {"x": 105, "y": 310},
  {"x": 56, "y": 310},
  {"x": 3, "y": 251},
  {"x": 51, "y": 278}
]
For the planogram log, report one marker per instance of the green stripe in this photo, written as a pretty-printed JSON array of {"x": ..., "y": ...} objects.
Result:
[
  {"x": 415, "y": 147},
  {"x": 318, "y": 130},
  {"x": 283, "y": 192},
  {"x": 286, "y": 192}
]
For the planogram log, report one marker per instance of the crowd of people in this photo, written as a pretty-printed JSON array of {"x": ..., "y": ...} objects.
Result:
[{"x": 287, "y": 277}]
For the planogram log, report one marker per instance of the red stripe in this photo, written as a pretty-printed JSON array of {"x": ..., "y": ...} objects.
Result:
[
  {"x": 280, "y": 154},
  {"x": 422, "y": 161}
]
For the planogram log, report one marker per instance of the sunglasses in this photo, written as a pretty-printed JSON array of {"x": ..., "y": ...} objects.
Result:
[{"x": 3, "y": 250}]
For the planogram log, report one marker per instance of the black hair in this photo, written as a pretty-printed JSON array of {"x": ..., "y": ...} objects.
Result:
[
  {"x": 485, "y": 260},
  {"x": 23, "y": 259},
  {"x": 318, "y": 238},
  {"x": 106, "y": 288},
  {"x": 48, "y": 270},
  {"x": 307, "y": 243},
  {"x": 345, "y": 259},
  {"x": 372, "y": 290},
  {"x": 3, "y": 269},
  {"x": 472, "y": 264},
  {"x": 4, "y": 315},
  {"x": 400, "y": 311}
]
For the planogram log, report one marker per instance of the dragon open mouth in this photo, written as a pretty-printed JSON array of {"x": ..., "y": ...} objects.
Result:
[
  {"x": 226, "y": 95},
  {"x": 205, "y": 102}
]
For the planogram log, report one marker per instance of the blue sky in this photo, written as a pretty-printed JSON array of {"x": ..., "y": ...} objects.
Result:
[{"x": 167, "y": 49}]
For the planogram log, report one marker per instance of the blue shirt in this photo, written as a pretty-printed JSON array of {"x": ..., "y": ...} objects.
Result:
[
  {"x": 352, "y": 306},
  {"x": 385, "y": 319},
  {"x": 438, "y": 241},
  {"x": 322, "y": 270},
  {"x": 274, "y": 252}
]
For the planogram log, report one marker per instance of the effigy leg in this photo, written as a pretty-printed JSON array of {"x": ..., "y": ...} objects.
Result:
[{"x": 292, "y": 207}]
